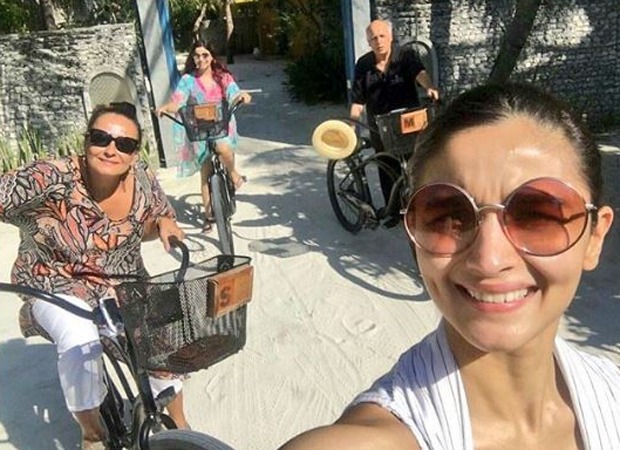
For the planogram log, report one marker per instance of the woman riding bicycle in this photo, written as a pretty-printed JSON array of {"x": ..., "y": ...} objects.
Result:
[
  {"x": 82, "y": 220},
  {"x": 205, "y": 80}
]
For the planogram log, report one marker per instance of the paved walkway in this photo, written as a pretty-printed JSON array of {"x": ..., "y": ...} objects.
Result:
[{"x": 330, "y": 311}]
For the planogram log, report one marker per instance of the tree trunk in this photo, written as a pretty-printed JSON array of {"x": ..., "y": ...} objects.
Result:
[
  {"x": 47, "y": 11},
  {"x": 230, "y": 26},
  {"x": 197, "y": 28},
  {"x": 514, "y": 40}
]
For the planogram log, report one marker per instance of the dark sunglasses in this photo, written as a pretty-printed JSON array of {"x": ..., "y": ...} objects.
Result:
[
  {"x": 543, "y": 217},
  {"x": 100, "y": 138}
]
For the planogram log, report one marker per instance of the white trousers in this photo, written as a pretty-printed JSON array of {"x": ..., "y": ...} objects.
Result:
[{"x": 80, "y": 363}]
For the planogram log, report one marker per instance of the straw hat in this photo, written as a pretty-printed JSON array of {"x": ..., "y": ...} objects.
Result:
[{"x": 334, "y": 139}]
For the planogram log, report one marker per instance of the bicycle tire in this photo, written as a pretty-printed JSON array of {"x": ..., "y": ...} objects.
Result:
[
  {"x": 185, "y": 440},
  {"x": 221, "y": 213},
  {"x": 343, "y": 177}
]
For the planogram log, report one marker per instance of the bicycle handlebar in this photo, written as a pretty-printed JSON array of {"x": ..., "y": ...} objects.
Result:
[
  {"x": 176, "y": 242},
  {"x": 234, "y": 106},
  {"x": 76, "y": 310}
]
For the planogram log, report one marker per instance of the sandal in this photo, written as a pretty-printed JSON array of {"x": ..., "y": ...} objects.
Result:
[{"x": 207, "y": 227}]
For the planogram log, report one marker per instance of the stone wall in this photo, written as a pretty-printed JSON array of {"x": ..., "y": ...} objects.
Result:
[
  {"x": 573, "y": 50},
  {"x": 43, "y": 77}
]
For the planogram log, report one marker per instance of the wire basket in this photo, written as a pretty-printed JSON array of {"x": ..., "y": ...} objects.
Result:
[
  {"x": 185, "y": 326},
  {"x": 205, "y": 121},
  {"x": 398, "y": 129}
]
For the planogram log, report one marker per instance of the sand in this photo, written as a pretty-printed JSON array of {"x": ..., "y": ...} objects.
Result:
[{"x": 331, "y": 311}]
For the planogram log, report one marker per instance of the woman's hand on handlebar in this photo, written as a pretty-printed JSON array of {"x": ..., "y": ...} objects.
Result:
[
  {"x": 168, "y": 108},
  {"x": 243, "y": 97},
  {"x": 168, "y": 228}
]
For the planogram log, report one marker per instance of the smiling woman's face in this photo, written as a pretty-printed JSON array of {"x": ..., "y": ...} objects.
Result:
[
  {"x": 108, "y": 160},
  {"x": 202, "y": 58},
  {"x": 493, "y": 296}
]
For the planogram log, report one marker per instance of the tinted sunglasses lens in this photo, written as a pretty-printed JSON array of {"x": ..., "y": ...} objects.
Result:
[
  {"x": 545, "y": 217},
  {"x": 441, "y": 219},
  {"x": 126, "y": 145},
  {"x": 99, "y": 138}
]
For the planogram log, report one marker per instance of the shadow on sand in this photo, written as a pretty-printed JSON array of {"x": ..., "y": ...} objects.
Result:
[{"x": 31, "y": 394}]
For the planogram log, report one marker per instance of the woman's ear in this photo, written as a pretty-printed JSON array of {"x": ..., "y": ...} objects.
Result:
[{"x": 597, "y": 237}]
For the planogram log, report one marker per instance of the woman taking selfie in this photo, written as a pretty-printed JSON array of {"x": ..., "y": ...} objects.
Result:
[{"x": 507, "y": 214}]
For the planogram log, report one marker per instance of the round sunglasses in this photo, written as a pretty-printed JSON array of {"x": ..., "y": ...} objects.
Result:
[
  {"x": 100, "y": 138},
  {"x": 542, "y": 217}
]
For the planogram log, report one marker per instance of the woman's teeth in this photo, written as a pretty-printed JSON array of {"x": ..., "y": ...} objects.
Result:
[{"x": 504, "y": 297}]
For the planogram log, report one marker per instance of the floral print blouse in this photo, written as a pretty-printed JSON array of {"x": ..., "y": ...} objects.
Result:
[{"x": 67, "y": 243}]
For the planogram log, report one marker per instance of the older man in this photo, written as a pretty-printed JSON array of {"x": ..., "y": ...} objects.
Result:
[{"x": 385, "y": 79}]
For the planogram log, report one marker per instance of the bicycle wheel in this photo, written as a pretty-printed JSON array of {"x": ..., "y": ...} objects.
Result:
[
  {"x": 185, "y": 440},
  {"x": 347, "y": 193},
  {"x": 221, "y": 212}
]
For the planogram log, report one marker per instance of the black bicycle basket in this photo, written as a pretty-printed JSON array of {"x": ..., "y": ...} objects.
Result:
[
  {"x": 205, "y": 121},
  {"x": 171, "y": 324},
  {"x": 398, "y": 129}
]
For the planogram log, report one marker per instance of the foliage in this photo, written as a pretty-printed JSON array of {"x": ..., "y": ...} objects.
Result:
[
  {"x": 317, "y": 77},
  {"x": 110, "y": 11},
  {"x": 315, "y": 31},
  {"x": 183, "y": 14},
  {"x": 17, "y": 16}
]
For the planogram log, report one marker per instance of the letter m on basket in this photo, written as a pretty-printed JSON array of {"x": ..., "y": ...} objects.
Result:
[{"x": 413, "y": 121}]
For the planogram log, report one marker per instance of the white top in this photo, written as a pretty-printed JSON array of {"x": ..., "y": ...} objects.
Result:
[{"x": 425, "y": 391}]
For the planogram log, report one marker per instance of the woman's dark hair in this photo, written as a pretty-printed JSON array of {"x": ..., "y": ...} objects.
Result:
[
  {"x": 218, "y": 69},
  {"x": 124, "y": 109},
  {"x": 491, "y": 103}
]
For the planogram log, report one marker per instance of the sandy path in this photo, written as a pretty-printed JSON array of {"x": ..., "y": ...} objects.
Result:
[{"x": 330, "y": 313}]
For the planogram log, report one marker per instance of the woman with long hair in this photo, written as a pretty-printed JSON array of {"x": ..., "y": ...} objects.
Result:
[{"x": 205, "y": 80}]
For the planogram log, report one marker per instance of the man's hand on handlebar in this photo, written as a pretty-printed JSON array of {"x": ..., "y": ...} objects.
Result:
[{"x": 433, "y": 94}]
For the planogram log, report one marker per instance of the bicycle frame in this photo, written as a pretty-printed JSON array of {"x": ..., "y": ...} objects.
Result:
[
  {"x": 221, "y": 188},
  {"x": 354, "y": 189},
  {"x": 131, "y": 430}
]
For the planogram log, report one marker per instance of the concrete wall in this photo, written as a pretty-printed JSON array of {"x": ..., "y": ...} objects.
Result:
[
  {"x": 43, "y": 77},
  {"x": 574, "y": 49}
]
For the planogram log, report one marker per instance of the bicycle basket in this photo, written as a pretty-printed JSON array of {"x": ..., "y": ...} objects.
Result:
[
  {"x": 398, "y": 129},
  {"x": 185, "y": 326},
  {"x": 205, "y": 121}
]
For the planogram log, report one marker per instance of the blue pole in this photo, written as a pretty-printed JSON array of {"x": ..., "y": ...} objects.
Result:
[
  {"x": 168, "y": 41},
  {"x": 349, "y": 46}
]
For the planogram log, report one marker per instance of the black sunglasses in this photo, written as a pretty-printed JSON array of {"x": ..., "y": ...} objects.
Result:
[{"x": 100, "y": 138}]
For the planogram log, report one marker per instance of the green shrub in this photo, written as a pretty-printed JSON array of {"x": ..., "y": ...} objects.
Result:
[
  {"x": 317, "y": 72},
  {"x": 317, "y": 77}
]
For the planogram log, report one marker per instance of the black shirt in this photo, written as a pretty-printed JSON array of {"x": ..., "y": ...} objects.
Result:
[{"x": 382, "y": 92}]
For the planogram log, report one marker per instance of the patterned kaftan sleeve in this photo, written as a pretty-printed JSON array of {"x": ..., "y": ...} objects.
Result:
[
  {"x": 26, "y": 188},
  {"x": 160, "y": 205},
  {"x": 183, "y": 90},
  {"x": 231, "y": 87}
]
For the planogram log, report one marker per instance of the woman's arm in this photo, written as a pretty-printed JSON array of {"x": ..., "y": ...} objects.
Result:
[
  {"x": 364, "y": 427},
  {"x": 162, "y": 218}
]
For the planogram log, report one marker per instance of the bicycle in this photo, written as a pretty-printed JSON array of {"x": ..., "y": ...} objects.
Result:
[
  {"x": 207, "y": 122},
  {"x": 179, "y": 321},
  {"x": 347, "y": 173}
]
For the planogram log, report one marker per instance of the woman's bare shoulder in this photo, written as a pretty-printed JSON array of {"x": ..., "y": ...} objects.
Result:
[{"x": 363, "y": 427}]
